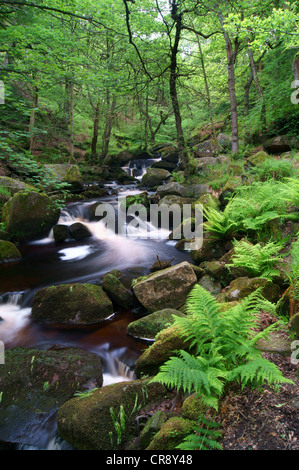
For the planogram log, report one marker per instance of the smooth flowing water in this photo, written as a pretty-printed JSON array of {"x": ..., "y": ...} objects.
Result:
[{"x": 46, "y": 263}]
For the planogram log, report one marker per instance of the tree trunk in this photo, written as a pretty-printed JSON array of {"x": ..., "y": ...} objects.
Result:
[
  {"x": 32, "y": 117},
  {"x": 174, "y": 75},
  {"x": 72, "y": 106},
  {"x": 95, "y": 136},
  {"x": 258, "y": 88},
  {"x": 108, "y": 126}
]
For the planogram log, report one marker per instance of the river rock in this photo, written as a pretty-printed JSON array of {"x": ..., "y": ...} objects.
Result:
[
  {"x": 210, "y": 284},
  {"x": 166, "y": 343},
  {"x": 79, "y": 231},
  {"x": 117, "y": 292},
  {"x": 35, "y": 383},
  {"x": 196, "y": 190},
  {"x": 243, "y": 286},
  {"x": 8, "y": 251},
  {"x": 167, "y": 288},
  {"x": 29, "y": 215},
  {"x": 154, "y": 177},
  {"x": 66, "y": 173},
  {"x": 71, "y": 304},
  {"x": 172, "y": 188},
  {"x": 60, "y": 233},
  {"x": 87, "y": 423},
  {"x": 206, "y": 149},
  {"x": 153, "y": 425},
  {"x": 149, "y": 326}
]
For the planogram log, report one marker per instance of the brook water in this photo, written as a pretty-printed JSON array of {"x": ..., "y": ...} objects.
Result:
[{"x": 46, "y": 263}]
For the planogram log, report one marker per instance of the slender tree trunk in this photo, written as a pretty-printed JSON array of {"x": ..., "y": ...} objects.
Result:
[
  {"x": 173, "y": 77},
  {"x": 258, "y": 88},
  {"x": 32, "y": 117},
  {"x": 208, "y": 94},
  {"x": 246, "y": 95},
  {"x": 108, "y": 126},
  {"x": 95, "y": 136},
  {"x": 72, "y": 106}
]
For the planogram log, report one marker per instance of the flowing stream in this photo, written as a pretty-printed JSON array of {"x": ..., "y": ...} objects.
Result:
[{"x": 46, "y": 263}]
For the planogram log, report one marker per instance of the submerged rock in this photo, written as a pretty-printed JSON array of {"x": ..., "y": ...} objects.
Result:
[
  {"x": 88, "y": 424},
  {"x": 35, "y": 383},
  {"x": 29, "y": 215},
  {"x": 71, "y": 304},
  {"x": 167, "y": 288}
]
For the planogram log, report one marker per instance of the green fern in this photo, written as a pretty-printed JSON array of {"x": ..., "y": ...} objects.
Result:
[
  {"x": 223, "y": 348},
  {"x": 257, "y": 260},
  {"x": 204, "y": 437}
]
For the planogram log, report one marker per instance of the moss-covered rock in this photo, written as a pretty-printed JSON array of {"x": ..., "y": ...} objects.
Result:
[
  {"x": 257, "y": 158},
  {"x": 154, "y": 177},
  {"x": 149, "y": 326},
  {"x": 193, "y": 407},
  {"x": 167, "y": 288},
  {"x": 87, "y": 423},
  {"x": 153, "y": 425},
  {"x": 243, "y": 286},
  {"x": 118, "y": 293},
  {"x": 210, "y": 249},
  {"x": 210, "y": 284},
  {"x": 66, "y": 173},
  {"x": 14, "y": 185},
  {"x": 294, "y": 324},
  {"x": 29, "y": 215},
  {"x": 8, "y": 251},
  {"x": 172, "y": 434},
  {"x": 71, "y": 304},
  {"x": 166, "y": 343},
  {"x": 35, "y": 383}
]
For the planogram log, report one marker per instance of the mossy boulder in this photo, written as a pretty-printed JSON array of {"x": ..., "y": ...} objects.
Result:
[
  {"x": 218, "y": 270},
  {"x": 172, "y": 434},
  {"x": 154, "y": 177},
  {"x": 35, "y": 383},
  {"x": 172, "y": 188},
  {"x": 210, "y": 284},
  {"x": 118, "y": 293},
  {"x": 167, "y": 288},
  {"x": 149, "y": 326},
  {"x": 257, "y": 158},
  {"x": 87, "y": 423},
  {"x": 14, "y": 185},
  {"x": 71, "y": 304},
  {"x": 66, "y": 173},
  {"x": 29, "y": 215},
  {"x": 8, "y": 251},
  {"x": 153, "y": 425},
  {"x": 166, "y": 343},
  {"x": 294, "y": 324},
  {"x": 193, "y": 407},
  {"x": 210, "y": 249},
  {"x": 243, "y": 286}
]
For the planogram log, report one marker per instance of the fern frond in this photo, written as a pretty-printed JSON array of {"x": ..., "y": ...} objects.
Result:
[{"x": 257, "y": 372}]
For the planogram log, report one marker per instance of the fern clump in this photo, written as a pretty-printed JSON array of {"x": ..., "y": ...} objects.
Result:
[
  {"x": 258, "y": 260},
  {"x": 223, "y": 346},
  {"x": 253, "y": 207}
]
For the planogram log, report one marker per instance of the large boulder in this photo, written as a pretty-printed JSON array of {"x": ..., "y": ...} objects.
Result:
[
  {"x": 71, "y": 304},
  {"x": 206, "y": 149},
  {"x": 280, "y": 144},
  {"x": 8, "y": 252},
  {"x": 90, "y": 423},
  {"x": 29, "y": 215},
  {"x": 172, "y": 188},
  {"x": 149, "y": 326},
  {"x": 154, "y": 177},
  {"x": 13, "y": 185},
  {"x": 243, "y": 286},
  {"x": 66, "y": 173},
  {"x": 79, "y": 231},
  {"x": 167, "y": 288},
  {"x": 35, "y": 383}
]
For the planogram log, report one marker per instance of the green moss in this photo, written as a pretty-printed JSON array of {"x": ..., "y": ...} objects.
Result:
[
  {"x": 8, "y": 251},
  {"x": 171, "y": 434}
]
